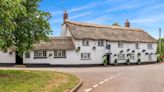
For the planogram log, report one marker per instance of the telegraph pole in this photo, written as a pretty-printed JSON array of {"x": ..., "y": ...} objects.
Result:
[{"x": 160, "y": 43}]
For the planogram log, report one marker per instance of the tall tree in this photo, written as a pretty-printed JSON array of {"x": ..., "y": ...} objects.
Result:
[
  {"x": 22, "y": 24},
  {"x": 161, "y": 45}
]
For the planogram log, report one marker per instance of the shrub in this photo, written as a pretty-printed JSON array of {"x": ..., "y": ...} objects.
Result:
[
  {"x": 128, "y": 61},
  {"x": 105, "y": 61},
  {"x": 115, "y": 62},
  {"x": 139, "y": 61}
]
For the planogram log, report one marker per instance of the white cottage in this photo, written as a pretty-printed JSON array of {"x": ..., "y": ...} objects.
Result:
[{"x": 86, "y": 44}]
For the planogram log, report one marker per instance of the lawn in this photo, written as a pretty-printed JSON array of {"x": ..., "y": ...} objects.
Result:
[{"x": 36, "y": 81}]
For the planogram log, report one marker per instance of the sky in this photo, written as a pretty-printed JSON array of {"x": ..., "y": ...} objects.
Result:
[{"x": 144, "y": 14}]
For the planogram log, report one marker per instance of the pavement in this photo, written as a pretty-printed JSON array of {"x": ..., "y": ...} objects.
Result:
[{"x": 133, "y": 78}]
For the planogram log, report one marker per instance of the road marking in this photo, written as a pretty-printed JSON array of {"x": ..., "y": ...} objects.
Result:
[
  {"x": 88, "y": 90},
  {"x": 96, "y": 85},
  {"x": 101, "y": 82},
  {"x": 106, "y": 80}
]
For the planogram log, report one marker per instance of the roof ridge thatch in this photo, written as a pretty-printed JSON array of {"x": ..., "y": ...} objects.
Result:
[
  {"x": 111, "y": 33},
  {"x": 103, "y": 26}
]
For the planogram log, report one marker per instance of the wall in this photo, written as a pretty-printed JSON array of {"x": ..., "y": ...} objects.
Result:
[
  {"x": 131, "y": 46},
  {"x": 5, "y": 57},
  {"x": 73, "y": 57}
]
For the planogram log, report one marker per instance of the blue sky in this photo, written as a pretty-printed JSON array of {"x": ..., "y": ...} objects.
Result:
[{"x": 144, "y": 14}]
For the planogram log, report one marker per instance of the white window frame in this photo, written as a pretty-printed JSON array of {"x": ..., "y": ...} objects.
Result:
[
  {"x": 132, "y": 56},
  {"x": 150, "y": 46},
  {"x": 120, "y": 44},
  {"x": 27, "y": 55},
  {"x": 100, "y": 43},
  {"x": 85, "y": 42},
  {"x": 137, "y": 45},
  {"x": 85, "y": 56},
  {"x": 121, "y": 56},
  {"x": 59, "y": 54},
  {"x": 40, "y": 54}
]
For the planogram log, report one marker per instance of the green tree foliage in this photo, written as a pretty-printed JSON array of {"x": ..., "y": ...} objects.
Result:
[
  {"x": 22, "y": 24},
  {"x": 161, "y": 46},
  {"x": 116, "y": 24}
]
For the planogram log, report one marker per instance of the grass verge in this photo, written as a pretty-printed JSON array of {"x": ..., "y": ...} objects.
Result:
[{"x": 36, "y": 81}]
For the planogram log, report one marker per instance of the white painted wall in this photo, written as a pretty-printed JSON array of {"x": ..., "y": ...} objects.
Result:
[
  {"x": 73, "y": 57},
  {"x": 5, "y": 57},
  {"x": 131, "y": 46}
]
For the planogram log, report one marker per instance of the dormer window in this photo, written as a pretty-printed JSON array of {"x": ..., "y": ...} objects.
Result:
[
  {"x": 100, "y": 43},
  {"x": 150, "y": 46},
  {"x": 85, "y": 42},
  {"x": 120, "y": 44}
]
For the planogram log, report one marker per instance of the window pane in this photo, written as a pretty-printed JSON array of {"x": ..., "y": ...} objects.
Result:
[
  {"x": 85, "y": 42},
  {"x": 27, "y": 55},
  {"x": 55, "y": 53}
]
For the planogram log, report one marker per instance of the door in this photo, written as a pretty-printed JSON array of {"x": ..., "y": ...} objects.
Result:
[
  {"x": 108, "y": 58},
  {"x": 19, "y": 59}
]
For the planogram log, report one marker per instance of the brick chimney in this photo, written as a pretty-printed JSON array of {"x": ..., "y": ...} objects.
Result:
[
  {"x": 65, "y": 16},
  {"x": 127, "y": 23}
]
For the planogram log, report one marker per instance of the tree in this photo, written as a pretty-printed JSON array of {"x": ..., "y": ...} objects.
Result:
[
  {"x": 116, "y": 24},
  {"x": 161, "y": 45},
  {"x": 22, "y": 24}
]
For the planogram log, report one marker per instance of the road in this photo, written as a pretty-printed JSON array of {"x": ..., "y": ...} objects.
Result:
[{"x": 133, "y": 78}]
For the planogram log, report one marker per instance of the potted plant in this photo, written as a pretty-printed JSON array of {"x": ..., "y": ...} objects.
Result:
[
  {"x": 133, "y": 51},
  {"x": 146, "y": 53},
  {"x": 115, "y": 62},
  {"x": 10, "y": 53},
  {"x": 139, "y": 61},
  {"x": 139, "y": 54},
  {"x": 143, "y": 50},
  {"x": 121, "y": 51},
  {"x": 78, "y": 49},
  {"x": 105, "y": 61},
  {"x": 128, "y": 61},
  {"x": 94, "y": 48}
]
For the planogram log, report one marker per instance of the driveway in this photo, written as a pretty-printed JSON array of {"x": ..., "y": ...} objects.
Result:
[{"x": 136, "y": 78}]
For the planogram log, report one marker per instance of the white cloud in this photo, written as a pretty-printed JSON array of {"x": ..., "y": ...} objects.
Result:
[
  {"x": 83, "y": 7},
  {"x": 81, "y": 15},
  {"x": 148, "y": 18},
  {"x": 130, "y": 5},
  {"x": 154, "y": 7}
]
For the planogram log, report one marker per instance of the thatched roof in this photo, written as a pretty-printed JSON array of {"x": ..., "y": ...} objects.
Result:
[
  {"x": 105, "y": 32},
  {"x": 56, "y": 43}
]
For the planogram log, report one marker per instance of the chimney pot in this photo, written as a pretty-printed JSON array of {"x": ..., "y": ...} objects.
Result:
[
  {"x": 127, "y": 23},
  {"x": 65, "y": 16}
]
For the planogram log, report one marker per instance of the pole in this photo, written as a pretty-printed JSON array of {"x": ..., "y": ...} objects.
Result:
[{"x": 160, "y": 45}]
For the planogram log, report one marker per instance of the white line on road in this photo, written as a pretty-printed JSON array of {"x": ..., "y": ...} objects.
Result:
[
  {"x": 106, "y": 80},
  {"x": 96, "y": 85},
  {"x": 87, "y": 90},
  {"x": 101, "y": 82}
]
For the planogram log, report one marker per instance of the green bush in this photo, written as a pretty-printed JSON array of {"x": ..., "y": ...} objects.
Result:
[
  {"x": 115, "y": 62},
  {"x": 105, "y": 61},
  {"x": 139, "y": 61},
  {"x": 128, "y": 61}
]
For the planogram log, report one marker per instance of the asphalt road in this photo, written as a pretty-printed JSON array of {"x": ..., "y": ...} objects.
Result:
[{"x": 133, "y": 78}]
